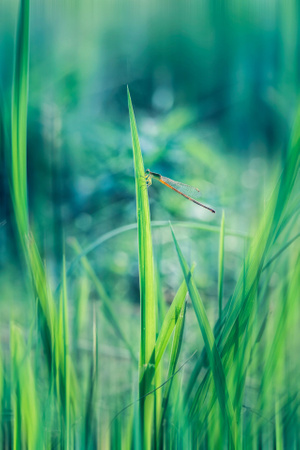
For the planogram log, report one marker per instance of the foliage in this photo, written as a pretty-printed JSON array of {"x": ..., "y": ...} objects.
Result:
[{"x": 187, "y": 339}]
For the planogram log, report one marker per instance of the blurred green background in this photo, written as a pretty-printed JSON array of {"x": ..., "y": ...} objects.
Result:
[{"x": 215, "y": 91}]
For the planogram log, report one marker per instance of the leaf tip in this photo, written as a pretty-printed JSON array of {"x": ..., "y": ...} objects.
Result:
[{"x": 128, "y": 94}]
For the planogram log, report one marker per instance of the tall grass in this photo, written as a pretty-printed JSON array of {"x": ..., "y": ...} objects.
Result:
[
  {"x": 239, "y": 329},
  {"x": 236, "y": 388},
  {"x": 51, "y": 323}
]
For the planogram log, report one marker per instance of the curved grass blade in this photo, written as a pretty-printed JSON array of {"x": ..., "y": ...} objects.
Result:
[
  {"x": 202, "y": 361},
  {"x": 168, "y": 325},
  {"x": 280, "y": 251},
  {"x": 170, "y": 321},
  {"x": 19, "y": 123},
  {"x": 107, "y": 309},
  {"x": 240, "y": 306},
  {"x": 211, "y": 349},
  {"x": 175, "y": 352},
  {"x": 266, "y": 234},
  {"x": 156, "y": 224},
  {"x": 287, "y": 311}
]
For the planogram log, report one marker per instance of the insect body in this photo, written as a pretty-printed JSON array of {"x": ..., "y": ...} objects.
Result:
[{"x": 185, "y": 190}]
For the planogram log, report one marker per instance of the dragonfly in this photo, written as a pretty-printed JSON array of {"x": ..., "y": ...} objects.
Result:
[{"x": 189, "y": 192}]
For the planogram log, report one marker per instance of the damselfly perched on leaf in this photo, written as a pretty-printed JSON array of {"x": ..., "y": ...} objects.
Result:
[{"x": 189, "y": 192}]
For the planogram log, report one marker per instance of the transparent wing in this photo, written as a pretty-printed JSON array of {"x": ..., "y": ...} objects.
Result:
[{"x": 190, "y": 191}]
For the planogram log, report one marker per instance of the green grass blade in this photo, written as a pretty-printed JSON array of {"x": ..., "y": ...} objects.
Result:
[
  {"x": 287, "y": 311},
  {"x": 19, "y": 179},
  {"x": 54, "y": 331},
  {"x": 1, "y": 384},
  {"x": 278, "y": 428},
  {"x": 83, "y": 294},
  {"x": 280, "y": 251},
  {"x": 26, "y": 412},
  {"x": 147, "y": 289},
  {"x": 168, "y": 325},
  {"x": 170, "y": 321},
  {"x": 240, "y": 307},
  {"x": 63, "y": 360},
  {"x": 221, "y": 265},
  {"x": 175, "y": 352},
  {"x": 19, "y": 122},
  {"x": 90, "y": 408},
  {"x": 266, "y": 234},
  {"x": 202, "y": 360},
  {"x": 46, "y": 306},
  {"x": 211, "y": 348}
]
